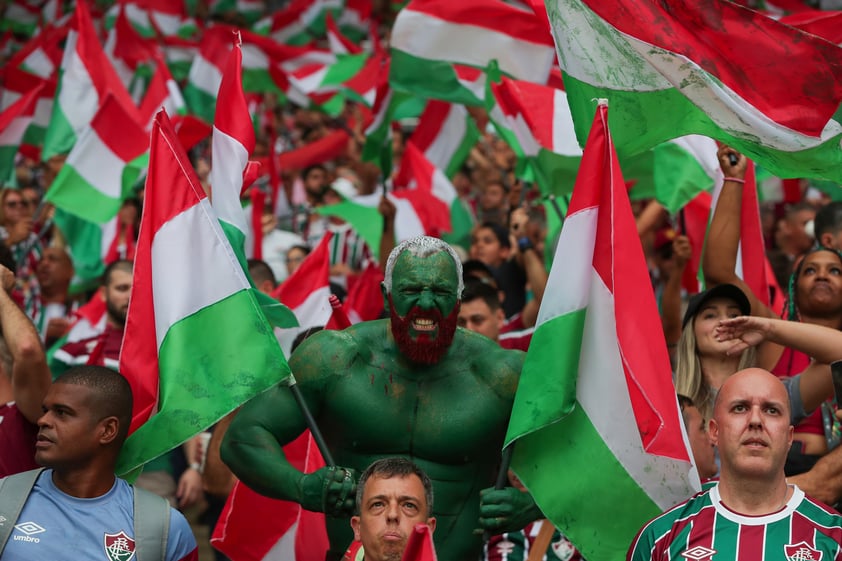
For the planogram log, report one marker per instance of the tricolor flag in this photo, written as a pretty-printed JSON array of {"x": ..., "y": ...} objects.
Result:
[
  {"x": 103, "y": 166},
  {"x": 86, "y": 77},
  {"x": 430, "y": 36},
  {"x": 162, "y": 92},
  {"x": 339, "y": 44},
  {"x": 299, "y": 22},
  {"x": 186, "y": 372},
  {"x": 206, "y": 74},
  {"x": 443, "y": 212},
  {"x": 307, "y": 290},
  {"x": 445, "y": 134},
  {"x": 16, "y": 84},
  {"x": 685, "y": 69},
  {"x": 14, "y": 121},
  {"x": 232, "y": 144},
  {"x": 595, "y": 423},
  {"x": 536, "y": 121}
]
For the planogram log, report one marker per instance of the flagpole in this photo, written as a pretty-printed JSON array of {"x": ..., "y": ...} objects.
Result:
[
  {"x": 502, "y": 477},
  {"x": 311, "y": 423}
]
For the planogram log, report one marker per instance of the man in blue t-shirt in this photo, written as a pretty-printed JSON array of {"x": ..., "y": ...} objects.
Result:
[{"x": 78, "y": 508}]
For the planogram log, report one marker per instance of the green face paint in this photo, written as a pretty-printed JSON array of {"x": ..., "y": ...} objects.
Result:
[{"x": 427, "y": 283}]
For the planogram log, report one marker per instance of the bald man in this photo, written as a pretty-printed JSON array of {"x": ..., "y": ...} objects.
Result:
[{"x": 752, "y": 513}]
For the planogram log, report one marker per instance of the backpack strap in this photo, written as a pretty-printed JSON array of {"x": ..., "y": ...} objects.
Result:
[
  {"x": 151, "y": 525},
  {"x": 14, "y": 490}
]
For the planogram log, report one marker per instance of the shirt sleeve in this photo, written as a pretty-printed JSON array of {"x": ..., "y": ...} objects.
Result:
[{"x": 181, "y": 544}]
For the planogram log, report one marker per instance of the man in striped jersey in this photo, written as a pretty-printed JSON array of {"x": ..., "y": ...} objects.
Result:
[{"x": 752, "y": 514}]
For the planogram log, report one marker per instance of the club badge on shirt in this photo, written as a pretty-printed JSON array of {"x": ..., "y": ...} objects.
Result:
[
  {"x": 118, "y": 547},
  {"x": 801, "y": 552}
]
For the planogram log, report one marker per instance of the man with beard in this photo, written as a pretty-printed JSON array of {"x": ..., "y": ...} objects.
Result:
[
  {"x": 412, "y": 385},
  {"x": 102, "y": 346}
]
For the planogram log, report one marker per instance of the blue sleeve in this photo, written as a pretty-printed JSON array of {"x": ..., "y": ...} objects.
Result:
[{"x": 181, "y": 544}]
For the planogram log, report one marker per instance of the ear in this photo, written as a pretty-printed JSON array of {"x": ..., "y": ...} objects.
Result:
[
  {"x": 500, "y": 317},
  {"x": 713, "y": 432},
  {"x": 431, "y": 522},
  {"x": 355, "y": 525},
  {"x": 266, "y": 287},
  {"x": 827, "y": 240},
  {"x": 108, "y": 429}
]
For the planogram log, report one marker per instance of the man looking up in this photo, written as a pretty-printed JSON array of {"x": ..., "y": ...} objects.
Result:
[
  {"x": 752, "y": 514},
  {"x": 413, "y": 385},
  {"x": 393, "y": 496}
]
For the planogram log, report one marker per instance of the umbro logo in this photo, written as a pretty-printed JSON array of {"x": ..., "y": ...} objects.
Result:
[
  {"x": 698, "y": 553},
  {"x": 28, "y": 529}
]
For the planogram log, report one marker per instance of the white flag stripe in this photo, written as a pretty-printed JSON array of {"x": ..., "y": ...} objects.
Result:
[
  {"x": 609, "y": 411},
  {"x": 98, "y": 164},
  {"x": 443, "y": 189},
  {"x": 431, "y": 38},
  {"x": 74, "y": 98},
  {"x": 205, "y": 76},
  {"x": 12, "y": 135},
  {"x": 230, "y": 159},
  {"x": 572, "y": 281},
  {"x": 564, "y": 135},
  {"x": 194, "y": 233},
  {"x": 449, "y": 137}
]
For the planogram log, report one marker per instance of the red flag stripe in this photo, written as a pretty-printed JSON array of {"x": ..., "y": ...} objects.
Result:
[{"x": 735, "y": 44}]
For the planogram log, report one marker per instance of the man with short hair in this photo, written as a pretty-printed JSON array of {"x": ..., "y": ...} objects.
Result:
[
  {"x": 751, "y": 514},
  {"x": 482, "y": 312},
  {"x": 103, "y": 347},
  {"x": 412, "y": 384},
  {"x": 78, "y": 508},
  {"x": 393, "y": 496}
]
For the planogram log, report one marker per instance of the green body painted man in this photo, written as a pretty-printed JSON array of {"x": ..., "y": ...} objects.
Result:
[{"x": 412, "y": 385}]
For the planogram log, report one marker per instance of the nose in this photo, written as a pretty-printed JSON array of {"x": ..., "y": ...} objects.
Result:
[
  {"x": 755, "y": 419},
  {"x": 393, "y": 512},
  {"x": 426, "y": 299}
]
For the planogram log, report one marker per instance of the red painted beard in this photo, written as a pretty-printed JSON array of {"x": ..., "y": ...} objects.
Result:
[{"x": 422, "y": 348}]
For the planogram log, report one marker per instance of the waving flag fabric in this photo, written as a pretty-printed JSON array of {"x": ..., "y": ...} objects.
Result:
[
  {"x": 698, "y": 68},
  {"x": 623, "y": 450},
  {"x": 185, "y": 371},
  {"x": 429, "y": 36},
  {"x": 103, "y": 166},
  {"x": 86, "y": 77},
  {"x": 14, "y": 122}
]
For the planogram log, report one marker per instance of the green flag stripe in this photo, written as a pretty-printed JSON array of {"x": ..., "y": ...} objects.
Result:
[{"x": 194, "y": 352}]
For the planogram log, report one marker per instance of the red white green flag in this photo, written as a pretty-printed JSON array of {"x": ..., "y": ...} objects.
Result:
[
  {"x": 103, "y": 166},
  {"x": 14, "y": 121},
  {"x": 683, "y": 68},
  {"x": 595, "y": 423},
  {"x": 430, "y": 36},
  {"x": 86, "y": 77},
  {"x": 186, "y": 373},
  {"x": 445, "y": 134}
]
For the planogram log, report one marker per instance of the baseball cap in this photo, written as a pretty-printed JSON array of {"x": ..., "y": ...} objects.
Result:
[{"x": 729, "y": 291}]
